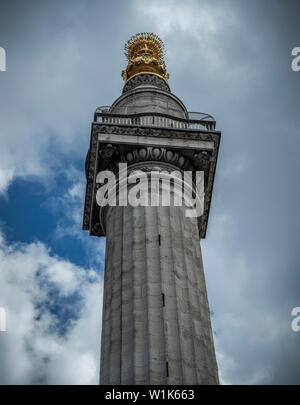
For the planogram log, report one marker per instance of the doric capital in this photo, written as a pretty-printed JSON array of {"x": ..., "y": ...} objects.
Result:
[{"x": 185, "y": 150}]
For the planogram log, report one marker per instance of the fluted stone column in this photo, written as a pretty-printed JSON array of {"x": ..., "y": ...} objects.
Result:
[{"x": 156, "y": 321}]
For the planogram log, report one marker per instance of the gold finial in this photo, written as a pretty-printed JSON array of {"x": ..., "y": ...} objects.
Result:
[{"x": 145, "y": 54}]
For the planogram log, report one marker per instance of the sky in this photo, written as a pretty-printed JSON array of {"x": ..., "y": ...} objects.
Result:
[{"x": 229, "y": 58}]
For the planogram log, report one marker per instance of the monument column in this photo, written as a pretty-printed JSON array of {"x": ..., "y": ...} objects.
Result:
[{"x": 156, "y": 325}]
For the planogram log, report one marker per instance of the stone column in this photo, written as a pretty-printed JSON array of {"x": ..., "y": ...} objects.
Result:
[{"x": 156, "y": 321}]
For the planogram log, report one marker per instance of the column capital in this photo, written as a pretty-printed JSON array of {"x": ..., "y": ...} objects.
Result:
[{"x": 185, "y": 149}]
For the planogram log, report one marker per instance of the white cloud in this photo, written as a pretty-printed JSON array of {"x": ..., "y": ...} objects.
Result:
[
  {"x": 69, "y": 208},
  {"x": 48, "y": 94},
  {"x": 6, "y": 176},
  {"x": 250, "y": 320},
  {"x": 198, "y": 23},
  {"x": 34, "y": 349},
  {"x": 188, "y": 17}
]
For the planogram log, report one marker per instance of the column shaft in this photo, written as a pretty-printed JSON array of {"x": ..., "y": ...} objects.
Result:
[{"x": 156, "y": 322}]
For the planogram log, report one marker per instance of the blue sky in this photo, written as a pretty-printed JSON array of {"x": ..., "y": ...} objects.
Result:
[{"x": 231, "y": 59}]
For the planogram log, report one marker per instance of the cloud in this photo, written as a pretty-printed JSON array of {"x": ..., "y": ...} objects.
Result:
[
  {"x": 198, "y": 24},
  {"x": 68, "y": 208},
  {"x": 51, "y": 87},
  {"x": 53, "y": 310},
  {"x": 251, "y": 305},
  {"x": 187, "y": 18},
  {"x": 6, "y": 176}
]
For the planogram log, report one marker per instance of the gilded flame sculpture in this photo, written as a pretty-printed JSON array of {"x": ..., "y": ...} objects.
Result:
[{"x": 145, "y": 53}]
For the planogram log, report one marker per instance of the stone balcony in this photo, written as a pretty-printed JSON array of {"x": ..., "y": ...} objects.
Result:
[{"x": 195, "y": 140}]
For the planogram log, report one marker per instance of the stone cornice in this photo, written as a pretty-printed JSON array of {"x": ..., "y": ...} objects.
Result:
[{"x": 95, "y": 162}]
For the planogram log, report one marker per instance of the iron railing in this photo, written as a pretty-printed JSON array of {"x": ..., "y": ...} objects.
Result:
[{"x": 206, "y": 121}]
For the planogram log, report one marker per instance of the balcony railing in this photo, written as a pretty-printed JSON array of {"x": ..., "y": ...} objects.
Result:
[{"x": 205, "y": 121}]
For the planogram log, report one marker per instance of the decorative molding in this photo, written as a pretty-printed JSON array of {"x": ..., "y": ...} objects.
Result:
[
  {"x": 146, "y": 79},
  {"x": 153, "y": 153},
  {"x": 164, "y": 132}
]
